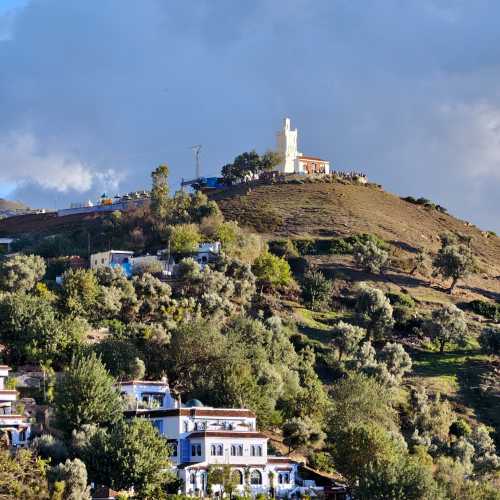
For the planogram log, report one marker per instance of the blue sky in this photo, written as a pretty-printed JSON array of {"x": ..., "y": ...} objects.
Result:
[{"x": 95, "y": 94}]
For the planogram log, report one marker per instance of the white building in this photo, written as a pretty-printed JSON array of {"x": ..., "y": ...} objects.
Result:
[
  {"x": 295, "y": 162},
  {"x": 113, "y": 259},
  {"x": 202, "y": 436},
  {"x": 14, "y": 425}
]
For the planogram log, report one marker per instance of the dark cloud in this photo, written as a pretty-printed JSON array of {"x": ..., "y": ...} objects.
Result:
[{"x": 93, "y": 97}]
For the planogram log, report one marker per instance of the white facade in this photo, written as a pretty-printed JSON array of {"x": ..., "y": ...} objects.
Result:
[
  {"x": 201, "y": 437},
  {"x": 294, "y": 162},
  {"x": 14, "y": 425}
]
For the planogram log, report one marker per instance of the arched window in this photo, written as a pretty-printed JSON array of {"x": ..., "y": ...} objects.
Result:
[
  {"x": 237, "y": 476},
  {"x": 192, "y": 478},
  {"x": 198, "y": 449},
  {"x": 255, "y": 477},
  {"x": 240, "y": 450},
  {"x": 233, "y": 450},
  {"x": 258, "y": 451},
  {"x": 283, "y": 478},
  {"x": 213, "y": 450},
  {"x": 186, "y": 426},
  {"x": 252, "y": 450},
  {"x": 219, "y": 449}
]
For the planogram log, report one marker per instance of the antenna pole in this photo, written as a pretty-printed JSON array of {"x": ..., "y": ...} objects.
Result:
[{"x": 196, "y": 150}]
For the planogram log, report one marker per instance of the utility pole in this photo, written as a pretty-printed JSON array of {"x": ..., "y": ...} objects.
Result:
[{"x": 196, "y": 150}]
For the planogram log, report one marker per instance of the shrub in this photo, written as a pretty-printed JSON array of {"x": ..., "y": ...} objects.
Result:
[
  {"x": 316, "y": 289},
  {"x": 305, "y": 246},
  {"x": 272, "y": 270},
  {"x": 483, "y": 308},
  {"x": 490, "y": 340},
  {"x": 400, "y": 299},
  {"x": 370, "y": 257}
]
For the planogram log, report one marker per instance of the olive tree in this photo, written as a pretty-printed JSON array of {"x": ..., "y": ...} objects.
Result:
[
  {"x": 374, "y": 311},
  {"x": 20, "y": 273},
  {"x": 447, "y": 324},
  {"x": 370, "y": 257},
  {"x": 454, "y": 260},
  {"x": 346, "y": 338}
]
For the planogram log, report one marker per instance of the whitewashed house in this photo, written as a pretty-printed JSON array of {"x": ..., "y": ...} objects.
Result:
[
  {"x": 201, "y": 436},
  {"x": 15, "y": 426}
]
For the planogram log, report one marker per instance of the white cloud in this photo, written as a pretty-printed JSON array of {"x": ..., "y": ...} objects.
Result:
[
  {"x": 474, "y": 138},
  {"x": 22, "y": 162}
]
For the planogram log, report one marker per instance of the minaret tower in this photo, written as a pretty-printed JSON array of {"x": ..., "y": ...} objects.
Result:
[{"x": 287, "y": 147}]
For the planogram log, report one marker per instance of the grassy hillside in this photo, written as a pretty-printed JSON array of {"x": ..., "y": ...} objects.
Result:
[
  {"x": 328, "y": 210},
  {"x": 11, "y": 205}
]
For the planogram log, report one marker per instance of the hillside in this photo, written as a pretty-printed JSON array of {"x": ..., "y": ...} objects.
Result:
[
  {"x": 325, "y": 210},
  {"x": 11, "y": 205}
]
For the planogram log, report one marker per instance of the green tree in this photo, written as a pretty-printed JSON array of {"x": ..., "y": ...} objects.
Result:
[
  {"x": 160, "y": 205},
  {"x": 405, "y": 479},
  {"x": 316, "y": 289},
  {"x": 374, "y": 311},
  {"x": 270, "y": 160},
  {"x": 304, "y": 431},
  {"x": 346, "y": 338},
  {"x": 130, "y": 454},
  {"x": 357, "y": 446},
  {"x": 74, "y": 475},
  {"x": 47, "y": 447},
  {"x": 224, "y": 477},
  {"x": 85, "y": 394},
  {"x": 447, "y": 324},
  {"x": 358, "y": 399},
  {"x": 80, "y": 292},
  {"x": 184, "y": 238},
  {"x": 31, "y": 330},
  {"x": 119, "y": 356},
  {"x": 272, "y": 271},
  {"x": 370, "y": 257},
  {"x": 22, "y": 476},
  {"x": 21, "y": 273},
  {"x": 454, "y": 260}
]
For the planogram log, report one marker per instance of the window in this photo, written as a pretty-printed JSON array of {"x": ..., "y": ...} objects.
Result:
[
  {"x": 283, "y": 478},
  {"x": 213, "y": 450},
  {"x": 198, "y": 449},
  {"x": 255, "y": 477},
  {"x": 186, "y": 426},
  {"x": 193, "y": 450},
  {"x": 220, "y": 450},
  {"x": 236, "y": 450},
  {"x": 192, "y": 478},
  {"x": 237, "y": 476},
  {"x": 256, "y": 450},
  {"x": 173, "y": 447}
]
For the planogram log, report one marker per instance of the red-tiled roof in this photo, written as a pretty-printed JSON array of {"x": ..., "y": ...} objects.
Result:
[{"x": 311, "y": 158}]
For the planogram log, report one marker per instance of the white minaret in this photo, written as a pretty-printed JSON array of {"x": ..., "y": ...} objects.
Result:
[{"x": 287, "y": 146}]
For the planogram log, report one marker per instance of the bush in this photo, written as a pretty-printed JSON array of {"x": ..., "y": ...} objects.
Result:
[
  {"x": 483, "y": 308},
  {"x": 400, "y": 299},
  {"x": 316, "y": 290},
  {"x": 370, "y": 257},
  {"x": 490, "y": 340}
]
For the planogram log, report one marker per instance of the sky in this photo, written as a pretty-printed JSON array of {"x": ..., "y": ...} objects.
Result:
[{"x": 95, "y": 94}]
